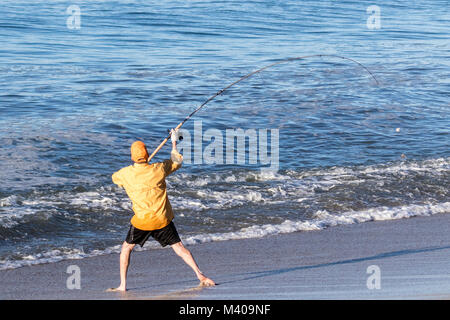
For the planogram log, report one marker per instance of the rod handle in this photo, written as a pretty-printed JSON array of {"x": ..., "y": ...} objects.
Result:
[{"x": 163, "y": 143}]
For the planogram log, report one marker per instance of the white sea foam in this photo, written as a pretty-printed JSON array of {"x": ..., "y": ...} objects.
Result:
[
  {"x": 8, "y": 201},
  {"x": 434, "y": 166},
  {"x": 321, "y": 220},
  {"x": 11, "y": 217},
  {"x": 293, "y": 186},
  {"x": 54, "y": 255},
  {"x": 213, "y": 178}
]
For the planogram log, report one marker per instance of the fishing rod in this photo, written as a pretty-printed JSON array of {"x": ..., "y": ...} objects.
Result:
[{"x": 218, "y": 93}]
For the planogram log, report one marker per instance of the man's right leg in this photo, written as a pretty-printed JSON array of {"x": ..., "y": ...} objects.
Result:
[{"x": 124, "y": 263}]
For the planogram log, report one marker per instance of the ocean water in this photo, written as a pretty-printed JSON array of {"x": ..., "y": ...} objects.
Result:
[{"x": 75, "y": 96}]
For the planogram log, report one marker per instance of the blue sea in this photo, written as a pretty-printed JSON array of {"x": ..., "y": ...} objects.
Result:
[{"x": 82, "y": 80}]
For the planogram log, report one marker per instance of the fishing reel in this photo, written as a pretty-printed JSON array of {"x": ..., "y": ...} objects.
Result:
[{"x": 179, "y": 136}]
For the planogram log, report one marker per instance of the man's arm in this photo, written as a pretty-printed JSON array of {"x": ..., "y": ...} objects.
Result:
[
  {"x": 176, "y": 158},
  {"x": 117, "y": 179}
]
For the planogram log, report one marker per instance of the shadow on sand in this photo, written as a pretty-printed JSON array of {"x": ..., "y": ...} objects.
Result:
[{"x": 261, "y": 274}]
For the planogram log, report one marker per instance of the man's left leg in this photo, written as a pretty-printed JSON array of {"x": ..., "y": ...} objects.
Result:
[{"x": 186, "y": 255}]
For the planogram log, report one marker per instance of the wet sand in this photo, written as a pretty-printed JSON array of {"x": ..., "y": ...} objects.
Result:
[{"x": 410, "y": 256}]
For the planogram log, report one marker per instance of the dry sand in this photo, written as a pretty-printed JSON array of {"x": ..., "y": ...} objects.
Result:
[{"x": 412, "y": 256}]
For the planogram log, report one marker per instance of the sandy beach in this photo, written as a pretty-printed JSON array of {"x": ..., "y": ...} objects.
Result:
[{"x": 411, "y": 258}]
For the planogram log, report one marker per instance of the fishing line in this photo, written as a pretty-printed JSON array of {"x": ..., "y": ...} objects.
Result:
[{"x": 218, "y": 93}]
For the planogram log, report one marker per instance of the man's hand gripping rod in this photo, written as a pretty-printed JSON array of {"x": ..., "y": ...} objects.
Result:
[{"x": 164, "y": 142}]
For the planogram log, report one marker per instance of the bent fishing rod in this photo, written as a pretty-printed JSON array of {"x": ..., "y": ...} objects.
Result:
[{"x": 218, "y": 93}]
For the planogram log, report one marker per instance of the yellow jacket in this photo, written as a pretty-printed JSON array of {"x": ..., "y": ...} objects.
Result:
[{"x": 145, "y": 185}]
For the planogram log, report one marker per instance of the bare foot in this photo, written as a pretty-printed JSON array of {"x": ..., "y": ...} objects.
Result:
[
  {"x": 118, "y": 289},
  {"x": 205, "y": 281}
]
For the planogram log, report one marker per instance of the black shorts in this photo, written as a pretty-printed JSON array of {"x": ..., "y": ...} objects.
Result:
[{"x": 165, "y": 236}]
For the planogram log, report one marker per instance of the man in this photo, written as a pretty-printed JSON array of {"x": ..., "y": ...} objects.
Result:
[{"x": 145, "y": 185}]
